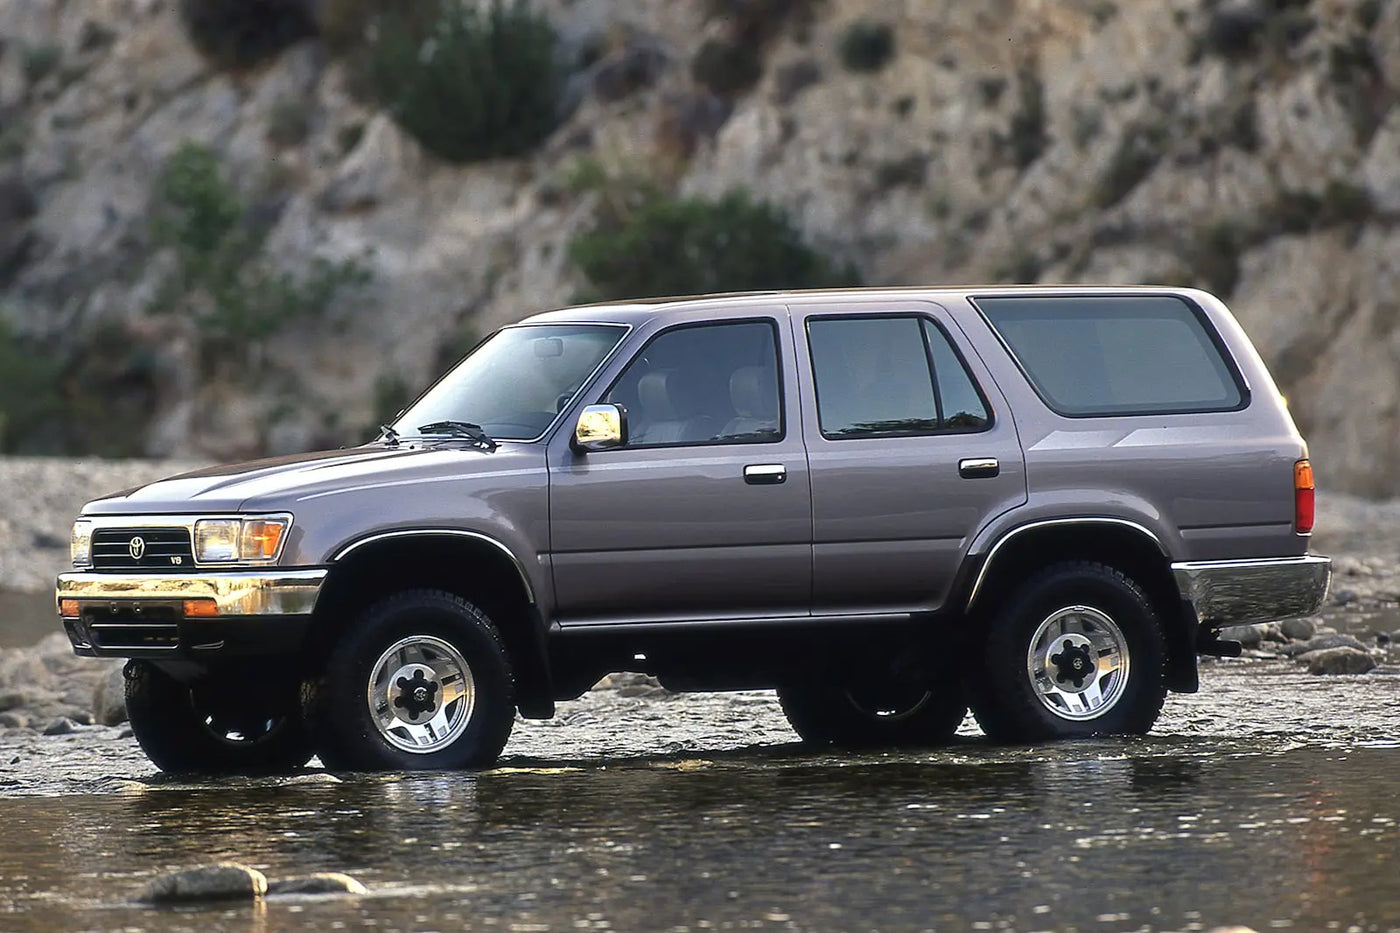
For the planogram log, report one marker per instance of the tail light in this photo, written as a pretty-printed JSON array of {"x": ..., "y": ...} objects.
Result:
[{"x": 1304, "y": 497}]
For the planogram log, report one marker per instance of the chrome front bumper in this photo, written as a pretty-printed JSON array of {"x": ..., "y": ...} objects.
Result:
[
  {"x": 235, "y": 592},
  {"x": 1238, "y": 592}
]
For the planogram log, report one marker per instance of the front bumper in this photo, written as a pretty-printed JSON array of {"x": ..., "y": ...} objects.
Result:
[
  {"x": 1238, "y": 592},
  {"x": 255, "y": 612}
]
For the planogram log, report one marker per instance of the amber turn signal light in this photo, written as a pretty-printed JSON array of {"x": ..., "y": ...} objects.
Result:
[
  {"x": 68, "y": 608},
  {"x": 1304, "y": 497},
  {"x": 200, "y": 608}
]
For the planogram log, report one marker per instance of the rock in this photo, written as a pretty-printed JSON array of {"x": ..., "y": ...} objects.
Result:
[
  {"x": 14, "y": 720},
  {"x": 61, "y": 726},
  {"x": 322, "y": 882},
  {"x": 1338, "y": 661},
  {"x": 12, "y": 699},
  {"x": 222, "y": 881},
  {"x": 109, "y": 698},
  {"x": 1344, "y": 596},
  {"x": 1249, "y": 636},
  {"x": 1298, "y": 629},
  {"x": 1322, "y": 643}
]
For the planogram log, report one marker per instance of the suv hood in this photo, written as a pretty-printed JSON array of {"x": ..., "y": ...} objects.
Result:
[{"x": 278, "y": 483}]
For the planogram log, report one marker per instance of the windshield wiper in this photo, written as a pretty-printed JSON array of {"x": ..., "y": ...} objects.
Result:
[
  {"x": 388, "y": 435},
  {"x": 460, "y": 429}
]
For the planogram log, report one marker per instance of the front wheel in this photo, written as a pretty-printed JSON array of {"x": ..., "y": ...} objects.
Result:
[
  {"x": 421, "y": 682},
  {"x": 1076, "y": 650},
  {"x": 213, "y": 726}
]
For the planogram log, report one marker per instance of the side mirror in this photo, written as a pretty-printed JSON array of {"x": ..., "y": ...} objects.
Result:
[{"x": 600, "y": 427}]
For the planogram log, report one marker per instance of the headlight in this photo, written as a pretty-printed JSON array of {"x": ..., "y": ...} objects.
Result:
[
  {"x": 242, "y": 540},
  {"x": 80, "y": 544}
]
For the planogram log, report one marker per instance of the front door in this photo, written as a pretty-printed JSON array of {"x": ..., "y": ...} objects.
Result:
[
  {"x": 706, "y": 512},
  {"x": 911, "y": 450}
]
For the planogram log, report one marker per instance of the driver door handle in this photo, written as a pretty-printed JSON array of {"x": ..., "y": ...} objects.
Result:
[
  {"x": 979, "y": 468},
  {"x": 765, "y": 474}
]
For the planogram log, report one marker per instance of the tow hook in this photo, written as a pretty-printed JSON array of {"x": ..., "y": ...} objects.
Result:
[{"x": 1210, "y": 643}]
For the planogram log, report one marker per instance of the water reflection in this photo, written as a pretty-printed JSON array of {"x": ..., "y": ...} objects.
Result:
[{"x": 1105, "y": 835}]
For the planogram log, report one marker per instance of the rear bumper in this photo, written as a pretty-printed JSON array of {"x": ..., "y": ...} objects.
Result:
[
  {"x": 262, "y": 612},
  {"x": 1237, "y": 592}
]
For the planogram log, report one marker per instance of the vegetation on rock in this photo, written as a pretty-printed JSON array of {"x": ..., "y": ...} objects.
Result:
[
  {"x": 222, "y": 277},
  {"x": 468, "y": 83},
  {"x": 646, "y": 244},
  {"x": 243, "y": 33}
]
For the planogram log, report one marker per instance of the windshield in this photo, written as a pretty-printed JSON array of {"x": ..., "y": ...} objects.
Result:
[{"x": 515, "y": 383}]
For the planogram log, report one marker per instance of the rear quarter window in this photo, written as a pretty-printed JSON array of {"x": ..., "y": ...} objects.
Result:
[{"x": 1117, "y": 355}]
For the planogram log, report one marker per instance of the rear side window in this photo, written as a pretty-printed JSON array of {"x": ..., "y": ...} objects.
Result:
[
  {"x": 1117, "y": 354},
  {"x": 887, "y": 376}
]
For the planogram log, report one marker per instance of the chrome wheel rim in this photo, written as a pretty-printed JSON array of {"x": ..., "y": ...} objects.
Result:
[
  {"x": 1078, "y": 663},
  {"x": 421, "y": 694}
]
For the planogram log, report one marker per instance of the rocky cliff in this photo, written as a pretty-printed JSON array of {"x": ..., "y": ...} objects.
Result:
[{"x": 1248, "y": 146}]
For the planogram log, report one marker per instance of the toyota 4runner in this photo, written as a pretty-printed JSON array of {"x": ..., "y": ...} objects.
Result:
[{"x": 890, "y": 505}]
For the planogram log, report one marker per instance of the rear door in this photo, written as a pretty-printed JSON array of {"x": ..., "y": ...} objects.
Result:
[
  {"x": 911, "y": 448},
  {"x": 706, "y": 512}
]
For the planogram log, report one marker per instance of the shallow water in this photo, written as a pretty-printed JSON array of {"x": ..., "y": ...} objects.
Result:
[{"x": 1270, "y": 799}]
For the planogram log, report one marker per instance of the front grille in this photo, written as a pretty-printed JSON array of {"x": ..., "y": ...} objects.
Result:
[{"x": 160, "y": 549}]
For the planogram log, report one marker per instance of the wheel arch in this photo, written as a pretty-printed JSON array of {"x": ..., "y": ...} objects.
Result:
[
  {"x": 471, "y": 565},
  {"x": 1119, "y": 543}
]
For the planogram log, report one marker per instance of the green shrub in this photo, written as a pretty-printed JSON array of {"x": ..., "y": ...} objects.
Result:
[
  {"x": 867, "y": 46},
  {"x": 726, "y": 67},
  {"x": 222, "y": 277},
  {"x": 29, "y": 399},
  {"x": 665, "y": 246},
  {"x": 243, "y": 33},
  {"x": 468, "y": 83}
]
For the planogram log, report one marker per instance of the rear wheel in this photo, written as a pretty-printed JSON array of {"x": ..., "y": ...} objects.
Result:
[
  {"x": 873, "y": 712},
  {"x": 214, "y": 727},
  {"x": 422, "y": 682},
  {"x": 1076, "y": 650}
]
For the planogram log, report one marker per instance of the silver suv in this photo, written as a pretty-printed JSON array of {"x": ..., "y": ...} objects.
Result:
[{"x": 890, "y": 505}]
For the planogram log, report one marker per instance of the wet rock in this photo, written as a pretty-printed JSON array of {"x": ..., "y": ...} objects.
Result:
[
  {"x": 322, "y": 882},
  {"x": 1386, "y": 670},
  {"x": 1344, "y": 596},
  {"x": 1232, "y": 929},
  {"x": 222, "y": 881},
  {"x": 109, "y": 698},
  {"x": 61, "y": 726},
  {"x": 1298, "y": 629},
  {"x": 1339, "y": 661},
  {"x": 1322, "y": 643}
]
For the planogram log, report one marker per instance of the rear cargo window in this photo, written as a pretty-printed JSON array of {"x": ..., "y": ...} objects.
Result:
[{"x": 1117, "y": 354}]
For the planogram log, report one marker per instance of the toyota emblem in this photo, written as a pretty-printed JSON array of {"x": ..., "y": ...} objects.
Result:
[{"x": 136, "y": 547}]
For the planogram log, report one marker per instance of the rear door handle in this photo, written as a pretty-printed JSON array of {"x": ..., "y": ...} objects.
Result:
[
  {"x": 979, "y": 468},
  {"x": 765, "y": 474}
]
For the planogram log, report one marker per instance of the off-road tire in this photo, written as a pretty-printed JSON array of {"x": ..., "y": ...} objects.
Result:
[
  {"x": 183, "y": 735},
  {"x": 1003, "y": 691},
  {"x": 826, "y": 713},
  {"x": 353, "y": 736}
]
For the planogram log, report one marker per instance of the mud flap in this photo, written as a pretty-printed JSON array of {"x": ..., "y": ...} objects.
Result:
[{"x": 1181, "y": 674}]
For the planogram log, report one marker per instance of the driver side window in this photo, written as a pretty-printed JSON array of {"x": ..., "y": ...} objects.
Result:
[{"x": 707, "y": 384}]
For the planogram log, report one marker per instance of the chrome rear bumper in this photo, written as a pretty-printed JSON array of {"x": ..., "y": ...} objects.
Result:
[{"x": 1237, "y": 592}]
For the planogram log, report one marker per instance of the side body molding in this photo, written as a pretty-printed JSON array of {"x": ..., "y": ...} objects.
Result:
[
  {"x": 449, "y": 532},
  {"x": 1031, "y": 526}
]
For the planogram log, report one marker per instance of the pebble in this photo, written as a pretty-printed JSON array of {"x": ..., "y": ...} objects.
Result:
[
  {"x": 61, "y": 726},
  {"x": 1298, "y": 629},
  {"x": 323, "y": 882},
  {"x": 221, "y": 881}
]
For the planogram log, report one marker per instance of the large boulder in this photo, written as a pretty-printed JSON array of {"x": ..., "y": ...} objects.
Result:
[
  {"x": 1339, "y": 661},
  {"x": 222, "y": 881}
]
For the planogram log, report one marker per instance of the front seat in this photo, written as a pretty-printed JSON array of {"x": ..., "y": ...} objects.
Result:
[{"x": 753, "y": 391}]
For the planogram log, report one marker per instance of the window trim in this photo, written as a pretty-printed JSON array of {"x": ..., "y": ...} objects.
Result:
[
  {"x": 1212, "y": 334},
  {"x": 773, "y": 326},
  {"x": 921, "y": 317}
]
